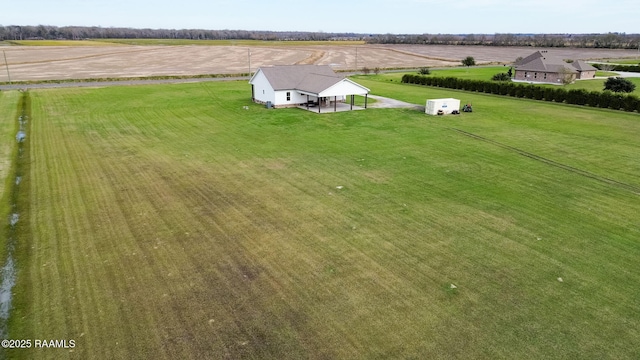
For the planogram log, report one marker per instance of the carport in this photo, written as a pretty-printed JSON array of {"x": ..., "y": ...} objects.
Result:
[{"x": 324, "y": 93}]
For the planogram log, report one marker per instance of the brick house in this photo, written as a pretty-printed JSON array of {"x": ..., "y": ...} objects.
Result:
[{"x": 543, "y": 68}]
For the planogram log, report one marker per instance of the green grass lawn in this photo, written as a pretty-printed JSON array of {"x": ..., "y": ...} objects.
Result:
[
  {"x": 598, "y": 85},
  {"x": 485, "y": 73},
  {"x": 474, "y": 73},
  {"x": 8, "y": 130},
  {"x": 635, "y": 61},
  {"x": 605, "y": 73},
  {"x": 169, "y": 222}
]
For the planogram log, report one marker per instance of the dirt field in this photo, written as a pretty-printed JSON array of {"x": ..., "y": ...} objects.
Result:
[{"x": 61, "y": 62}]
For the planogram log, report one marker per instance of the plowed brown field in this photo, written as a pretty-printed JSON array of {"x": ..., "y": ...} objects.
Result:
[{"x": 69, "y": 62}]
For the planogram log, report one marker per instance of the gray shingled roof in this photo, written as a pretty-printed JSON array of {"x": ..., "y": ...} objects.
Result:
[
  {"x": 529, "y": 58},
  {"x": 543, "y": 62},
  {"x": 308, "y": 78},
  {"x": 583, "y": 66}
]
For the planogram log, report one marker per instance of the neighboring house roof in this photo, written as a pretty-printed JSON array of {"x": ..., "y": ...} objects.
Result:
[
  {"x": 547, "y": 65},
  {"x": 529, "y": 58},
  {"x": 542, "y": 62},
  {"x": 312, "y": 79},
  {"x": 583, "y": 66}
]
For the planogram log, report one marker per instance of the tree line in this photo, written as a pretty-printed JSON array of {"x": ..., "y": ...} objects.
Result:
[
  {"x": 46, "y": 32},
  {"x": 608, "y": 41}
]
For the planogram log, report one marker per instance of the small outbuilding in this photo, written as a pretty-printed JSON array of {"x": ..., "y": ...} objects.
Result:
[{"x": 444, "y": 106}]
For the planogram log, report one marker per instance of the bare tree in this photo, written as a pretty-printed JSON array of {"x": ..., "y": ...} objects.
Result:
[
  {"x": 607, "y": 67},
  {"x": 566, "y": 75}
]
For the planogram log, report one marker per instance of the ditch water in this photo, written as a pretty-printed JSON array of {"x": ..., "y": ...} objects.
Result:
[{"x": 8, "y": 271}]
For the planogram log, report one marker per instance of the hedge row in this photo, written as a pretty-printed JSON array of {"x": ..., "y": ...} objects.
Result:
[
  {"x": 604, "y": 99},
  {"x": 624, "y": 68}
]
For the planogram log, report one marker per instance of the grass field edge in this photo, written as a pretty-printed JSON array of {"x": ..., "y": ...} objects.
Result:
[{"x": 19, "y": 247}]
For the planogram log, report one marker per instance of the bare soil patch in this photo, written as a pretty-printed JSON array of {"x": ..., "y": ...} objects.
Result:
[{"x": 64, "y": 62}]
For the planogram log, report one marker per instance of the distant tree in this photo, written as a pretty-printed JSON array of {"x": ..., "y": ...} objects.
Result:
[
  {"x": 366, "y": 70},
  {"x": 618, "y": 84},
  {"x": 424, "y": 71},
  {"x": 376, "y": 70},
  {"x": 468, "y": 61},
  {"x": 510, "y": 72}
]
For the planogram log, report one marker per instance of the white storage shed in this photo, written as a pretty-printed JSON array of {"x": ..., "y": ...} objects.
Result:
[{"x": 446, "y": 105}]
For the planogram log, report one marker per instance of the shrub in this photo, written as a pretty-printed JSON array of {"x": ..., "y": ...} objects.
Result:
[
  {"x": 559, "y": 95},
  {"x": 631, "y": 103},
  {"x": 424, "y": 71},
  {"x": 504, "y": 88},
  {"x": 577, "y": 96},
  {"x": 625, "y": 68},
  {"x": 618, "y": 84},
  {"x": 593, "y": 98},
  {"x": 605, "y": 99},
  {"x": 549, "y": 94},
  {"x": 501, "y": 77},
  {"x": 514, "y": 89},
  {"x": 527, "y": 91},
  {"x": 617, "y": 102},
  {"x": 538, "y": 93}
]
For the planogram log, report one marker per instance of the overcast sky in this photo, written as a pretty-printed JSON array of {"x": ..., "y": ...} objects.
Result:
[{"x": 371, "y": 16}]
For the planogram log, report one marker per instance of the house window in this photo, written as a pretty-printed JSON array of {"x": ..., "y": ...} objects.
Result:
[
  {"x": 526, "y": 74},
  {"x": 288, "y": 96},
  {"x": 545, "y": 76},
  {"x": 535, "y": 75}
]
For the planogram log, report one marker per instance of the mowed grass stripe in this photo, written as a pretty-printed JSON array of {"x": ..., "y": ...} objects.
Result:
[
  {"x": 62, "y": 223},
  {"x": 216, "y": 230},
  {"x": 633, "y": 189},
  {"x": 596, "y": 140}
]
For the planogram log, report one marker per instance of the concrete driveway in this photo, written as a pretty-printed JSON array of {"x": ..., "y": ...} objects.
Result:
[
  {"x": 385, "y": 102},
  {"x": 627, "y": 74}
]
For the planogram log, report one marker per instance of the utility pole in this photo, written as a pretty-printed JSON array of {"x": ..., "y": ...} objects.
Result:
[
  {"x": 7, "y": 65},
  {"x": 356, "y": 59},
  {"x": 249, "y": 55}
]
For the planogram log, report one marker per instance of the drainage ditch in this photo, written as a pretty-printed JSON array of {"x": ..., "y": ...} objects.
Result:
[{"x": 14, "y": 223}]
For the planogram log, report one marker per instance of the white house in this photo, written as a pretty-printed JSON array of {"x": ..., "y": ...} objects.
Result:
[{"x": 306, "y": 85}]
